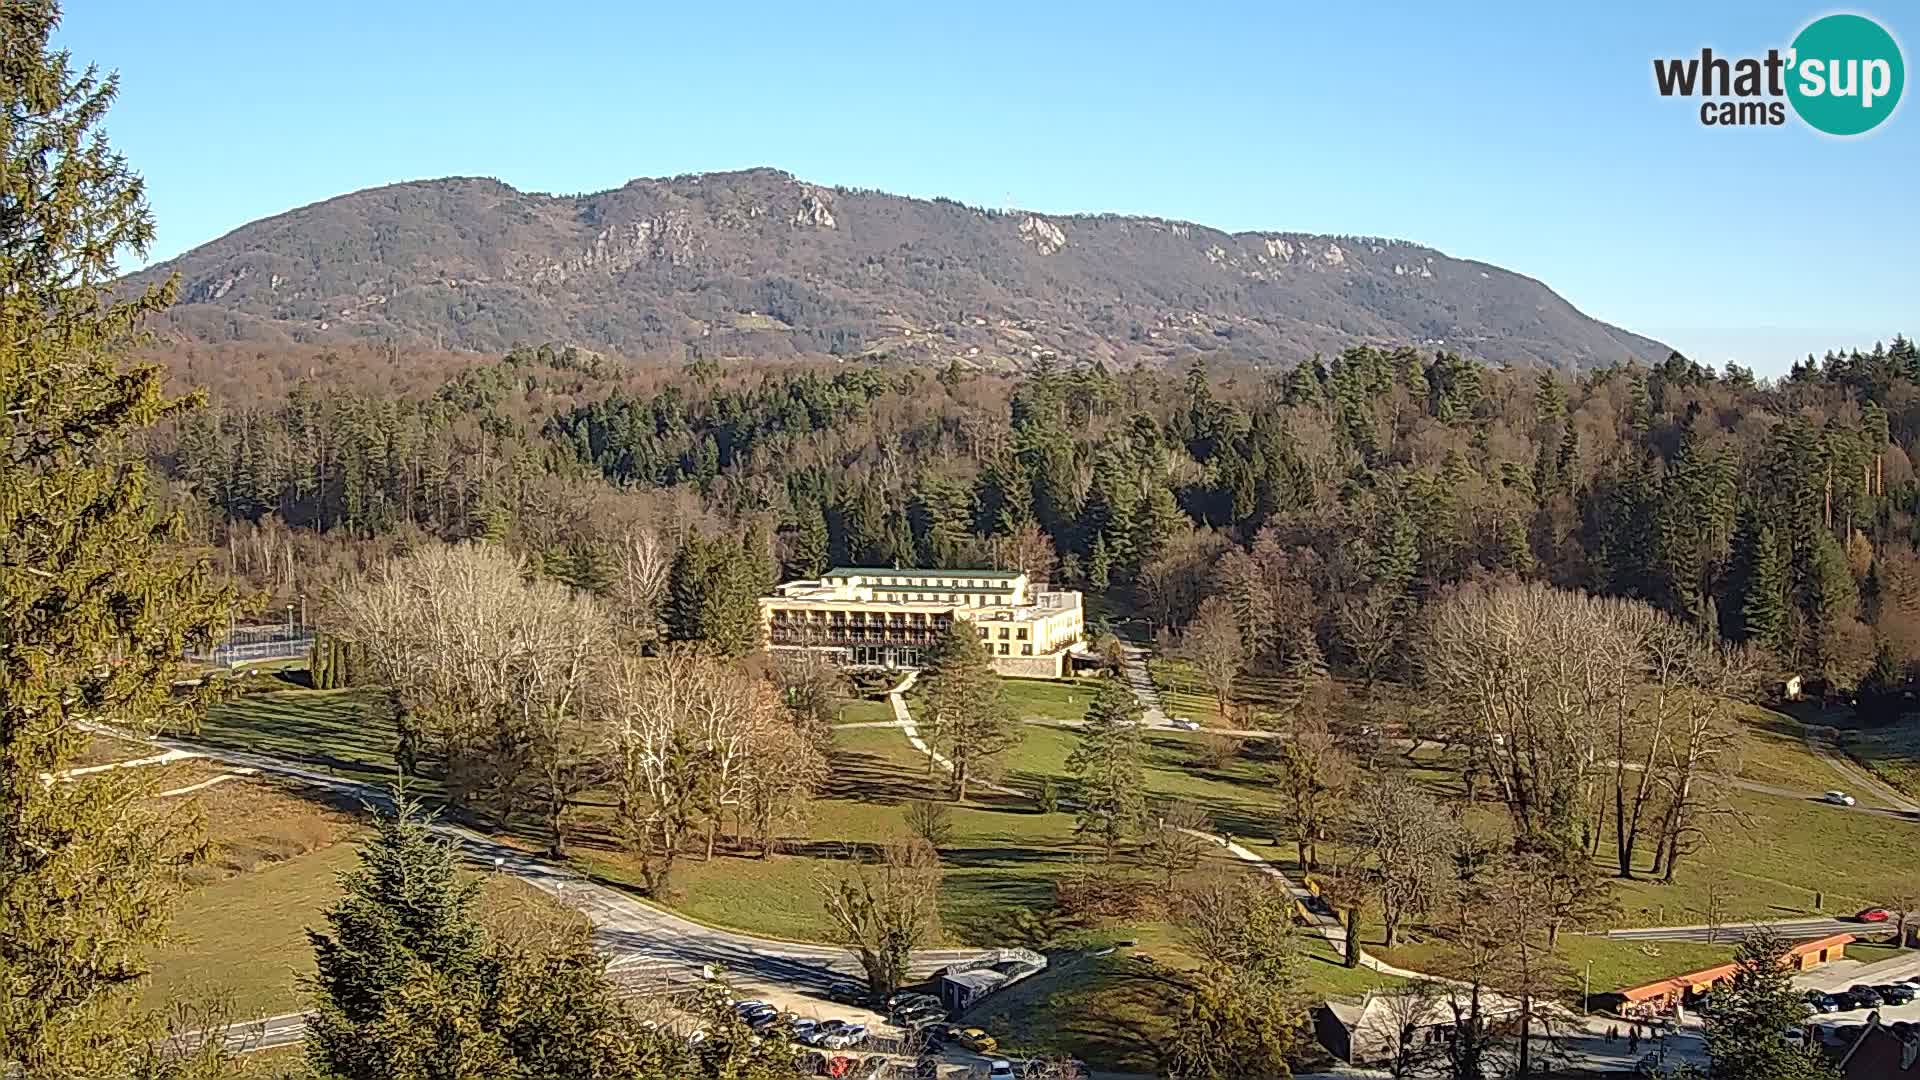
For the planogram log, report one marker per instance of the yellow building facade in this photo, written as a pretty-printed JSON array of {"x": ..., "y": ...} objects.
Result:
[{"x": 876, "y": 617}]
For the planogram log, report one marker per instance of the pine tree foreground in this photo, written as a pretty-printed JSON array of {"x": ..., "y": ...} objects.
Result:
[{"x": 95, "y": 610}]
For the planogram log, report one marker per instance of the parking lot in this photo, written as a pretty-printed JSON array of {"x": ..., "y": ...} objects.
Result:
[{"x": 1845, "y": 973}]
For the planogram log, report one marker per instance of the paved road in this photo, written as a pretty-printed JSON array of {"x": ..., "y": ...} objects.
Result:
[
  {"x": 1729, "y": 933},
  {"x": 637, "y": 935}
]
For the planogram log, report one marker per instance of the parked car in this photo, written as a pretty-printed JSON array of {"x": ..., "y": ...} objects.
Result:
[
  {"x": 800, "y": 1027},
  {"x": 1000, "y": 1070},
  {"x": 846, "y": 993},
  {"x": 1866, "y": 995},
  {"x": 1185, "y": 723},
  {"x": 750, "y": 1006},
  {"x": 1845, "y": 1002},
  {"x": 915, "y": 1016},
  {"x": 902, "y": 1004},
  {"x": 845, "y": 1036},
  {"x": 1874, "y": 914},
  {"x": 821, "y": 1030},
  {"x": 937, "y": 1035},
  {"x": 1838, "y": 798},
  {"x": 1895, "y": 993},
  {"x": 1822, "y": 1002},
  {"x": 978, "y": 1041}
]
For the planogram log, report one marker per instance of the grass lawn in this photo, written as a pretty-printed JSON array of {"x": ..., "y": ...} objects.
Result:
[
  {"x": 1047, "y": 700},
  {"x": 1003, "y": 855},
  {"x": 1109, "y": 1011},
  {"x": 1237, "y": 794},
  {"x": 348, "y": 733},
  {"x": 246, "y": 935},
  {"x": 1773, "y": 750},
  {"x": 1771, "y": 868},
  {"x": 1112, "y": 1011},
  {"x": 864, "y": 711},
  {"x": 1615, "y": 964},
  {"x": 1891, "y": 752}
]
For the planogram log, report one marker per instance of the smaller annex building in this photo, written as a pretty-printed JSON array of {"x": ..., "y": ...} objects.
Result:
[
  {"x": 1656, "y": 998},
  {"x": 875, "y": 617}
]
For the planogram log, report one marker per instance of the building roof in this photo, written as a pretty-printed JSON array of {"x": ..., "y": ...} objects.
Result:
[
  {"x": 980, "y": 978},
  {"x": 1709, "y": 976},
  {"x": 889, "y": 571}
]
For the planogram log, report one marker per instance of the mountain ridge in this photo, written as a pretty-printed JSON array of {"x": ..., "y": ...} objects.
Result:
[{"x": 759, "y": 263}]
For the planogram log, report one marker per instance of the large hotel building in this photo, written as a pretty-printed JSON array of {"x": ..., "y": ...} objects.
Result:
[{"x": 891, "y": 618}]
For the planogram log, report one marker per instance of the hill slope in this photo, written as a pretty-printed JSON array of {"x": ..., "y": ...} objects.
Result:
[{"x": 758, "y": 263}]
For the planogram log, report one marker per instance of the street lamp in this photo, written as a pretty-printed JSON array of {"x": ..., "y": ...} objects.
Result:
[
  {"x": 1587, "y": 990},
  {"x": 289, "y": 621}
]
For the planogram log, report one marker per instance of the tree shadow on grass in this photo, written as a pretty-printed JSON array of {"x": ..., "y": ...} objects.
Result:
[{"x": 869, "y": 778}]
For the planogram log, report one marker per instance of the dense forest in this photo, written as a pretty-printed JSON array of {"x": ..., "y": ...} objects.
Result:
[{"x": 1327, "y": 502}]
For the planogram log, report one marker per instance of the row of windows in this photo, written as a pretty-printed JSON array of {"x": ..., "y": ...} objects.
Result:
[{"x": 1020, "y": 633}]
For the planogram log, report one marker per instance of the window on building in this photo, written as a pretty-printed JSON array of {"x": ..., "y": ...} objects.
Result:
[
  {"x": 1026, "y": 650},
  {"x": 983, "y": 631},
  {"x": 1003, "y": 648},
  {"x": 1022, "y": 634},
  {"x": 1003, "y": 633}
]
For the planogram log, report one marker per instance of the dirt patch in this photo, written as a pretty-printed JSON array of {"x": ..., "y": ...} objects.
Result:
[
  {"x": 255, "y": 822},
  {"x": 106, "y": 750}
]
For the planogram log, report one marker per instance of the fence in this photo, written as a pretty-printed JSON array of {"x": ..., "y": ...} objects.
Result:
[{"x": 246, "y": 644}]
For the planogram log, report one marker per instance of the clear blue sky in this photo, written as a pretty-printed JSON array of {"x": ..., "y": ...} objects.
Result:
[{"x": 1524, "y": 134}]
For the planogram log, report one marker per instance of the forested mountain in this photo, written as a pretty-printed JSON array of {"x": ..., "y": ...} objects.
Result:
[
  {"x": 1328, "y": 502},
  {"x": 759, "y": 264}
]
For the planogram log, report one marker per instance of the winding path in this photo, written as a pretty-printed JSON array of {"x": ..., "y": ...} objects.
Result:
[{"x": 643, "y": 941}]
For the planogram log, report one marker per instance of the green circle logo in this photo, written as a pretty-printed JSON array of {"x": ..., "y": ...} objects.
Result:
[{"x": 1846, "y": 76}]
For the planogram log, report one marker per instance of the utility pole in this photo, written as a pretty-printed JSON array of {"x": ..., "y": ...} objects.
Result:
[{"x": 1586, "y": 990}]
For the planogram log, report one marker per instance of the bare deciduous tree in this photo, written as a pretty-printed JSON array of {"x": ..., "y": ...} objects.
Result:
[
  {"x": 491, "y": 666},
  {"x": 1212, "y": 643},
  {"x": 1177, "y": 846},
  {"x": 642, "y": 561},
  {"x": 1314, "y": 773},
  {"x": 930, "y": 821},
  {"x": 1406, "y": 836},
  {"x": 1527, "y": 664},
  {"x": 691, "y": 738},
  {"x": 881, "y": 911},
  {"x": 1370, "y": 624}
]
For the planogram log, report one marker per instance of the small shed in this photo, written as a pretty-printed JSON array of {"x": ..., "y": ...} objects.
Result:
[
  {"x": 960, "y": 989},
  {"x": 1375, "y": 1027},
  {"x": 964, "y": 983}
]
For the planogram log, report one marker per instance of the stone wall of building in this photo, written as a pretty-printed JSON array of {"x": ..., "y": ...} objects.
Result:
[{"x": 1029, "y": 667}]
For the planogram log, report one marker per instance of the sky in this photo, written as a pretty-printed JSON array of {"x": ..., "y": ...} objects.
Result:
[{"x": 1524, "y": 134}]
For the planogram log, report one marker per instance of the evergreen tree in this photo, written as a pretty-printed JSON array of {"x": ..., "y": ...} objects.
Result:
[
  {"x": 408, "y": 984},
  {"x": 713, "y": 593},
  {"x": 1100, "y": 566},
  {"x": 1763, "y": 606},
  {"x": 95, "y": 608},
  {"x": 808, "y": 556},
  {"x": 1106, "y": 766},
  {"x": 403, "y": 939},
  {"x": 967, "y": 718},
  {"x": 1832, "y": 601},
  {"x": 1157, "y": 524},
  {"x": 1748, "y": 1015}
]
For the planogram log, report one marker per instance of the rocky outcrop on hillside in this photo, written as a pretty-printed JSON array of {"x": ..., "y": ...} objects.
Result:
[{"x": 759, "y": 263}]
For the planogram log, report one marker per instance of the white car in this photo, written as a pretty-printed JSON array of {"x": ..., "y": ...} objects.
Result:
[
  {"x": 1000, "y": 1070},
  {"x": 1185, "y": 723},
  {"x": 852, "y": 1035},
  {"x": 1838, "y": 798}
]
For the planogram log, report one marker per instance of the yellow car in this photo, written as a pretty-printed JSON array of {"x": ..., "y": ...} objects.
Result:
[{"x": 978, "y": 1041}]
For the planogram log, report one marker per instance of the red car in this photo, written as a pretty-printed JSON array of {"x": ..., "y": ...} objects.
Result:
[{"x": 1874, "y": 914}]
